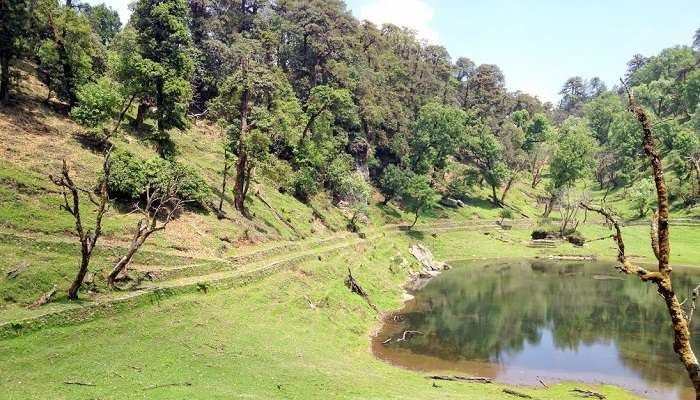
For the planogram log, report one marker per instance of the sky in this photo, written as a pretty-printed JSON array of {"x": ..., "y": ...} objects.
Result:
[{"x": 537, "y": 43}]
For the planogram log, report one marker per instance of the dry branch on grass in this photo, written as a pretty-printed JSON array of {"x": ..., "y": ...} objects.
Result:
[
  {"x": 589, "y": 394},
  {"x": 13, "y": 273},
  {"x": 78, "y": 383},
  {"x": 517, "y": 394},
  {"x": 680, "y": 319},
  {"x": 44, "y": 299},
  {"x": 355, "y": 287},
  {"x": 458, "y": 378},
  {"x": 167, "y": 385}
]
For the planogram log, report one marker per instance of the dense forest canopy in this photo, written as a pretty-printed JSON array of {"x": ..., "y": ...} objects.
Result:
[{"x": 333, "y": 103}]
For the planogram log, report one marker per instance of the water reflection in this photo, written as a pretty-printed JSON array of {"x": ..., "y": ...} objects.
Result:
[{"x": 516, "y": 321}]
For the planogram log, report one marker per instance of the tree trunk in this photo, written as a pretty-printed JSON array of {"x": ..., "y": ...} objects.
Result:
[
  {"x": 415, "y": 219},
  {"x": 494, "y": 196},
  {"x": 78, "y": 281},
  {"x": 242, "y": 166},
  {"x": 122, "y": 114},
  {"x": 660, "y": 241},
  {"x": 509, "y": 185},
  {"x": 549, "y": 207},
  {"x": 5, "y": 80},
  {"x": 696, "y": 163},
  {"x": 223, "y": 181},
  {"x": 140, "y": 116},
  {"x": 161, "y": 140},
  {"x": 124, "y": 261}
]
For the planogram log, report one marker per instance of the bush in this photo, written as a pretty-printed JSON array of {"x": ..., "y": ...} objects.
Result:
[
  {"x": 338, "y": 171},
  {"x": 459, "y": 188},
  {"x": 97, "y": 103},
  {"x": 305, "y": 184},
  {"x": 280, "y": 173},
  {"x": 548, "y": 231},
  {"x": 576, "y": 238},
  {"x": 129, "y": 176}
]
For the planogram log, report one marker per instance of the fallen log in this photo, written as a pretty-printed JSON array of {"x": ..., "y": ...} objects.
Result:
[
  {"x": 45, "y": 298},
  {"x": 589, "y": 394},
  {"x": 13, "y": 274},
  {"x": 355, "y": 287},
  {"x": 458, "y": 378},
  {"x": 517, "y": 394}
]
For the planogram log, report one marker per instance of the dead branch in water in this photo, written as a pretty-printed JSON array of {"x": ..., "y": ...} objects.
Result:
[{"x": 408, "y": 334}]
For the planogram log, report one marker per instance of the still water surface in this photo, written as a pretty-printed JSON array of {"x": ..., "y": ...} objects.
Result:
[{"x": 520, "y": 321}]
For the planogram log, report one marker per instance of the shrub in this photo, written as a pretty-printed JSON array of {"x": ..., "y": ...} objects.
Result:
[
  {"x": 130, "y": 175},
  {"x": 548, "y": 231},
  {"x": 279, "y": 172},
  {"x": 305, "y": 183},
  {"x": 458, "y": 188},
  {"x": 338, "y": 171},
  {"x": 97, "y": 103}
]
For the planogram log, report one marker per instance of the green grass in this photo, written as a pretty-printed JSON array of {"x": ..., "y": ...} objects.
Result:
[{"x": 258, "y": 341}]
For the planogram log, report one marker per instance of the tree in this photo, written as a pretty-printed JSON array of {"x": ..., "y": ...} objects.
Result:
[
  {"x": 641, "y": 196},
  {"x": 163, "y": 42},
  {"x": 573, "y": 94},
  {"x": 255, "y": 104},
  {"x": 68, "y": 54},
  {"x": 393, "y": 182},
  {"x": 71, "y": 203},
  {"x": 104, "y": 22},
  {"x": 483, "y": 150},
  {"x": 573, "y": 158},
  {"x": 98, "y": 102},
  {"x": 439, "y": 132},
  {"x": 14, "y": 26},
  {"x": 680, "y": 318},
  {"x": 161, "y": 207},
  {"x": 418, "y": 196},
  {"x": 601, "y": 112}
]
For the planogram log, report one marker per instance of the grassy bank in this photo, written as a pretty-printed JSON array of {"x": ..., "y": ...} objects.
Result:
[{"x": 262, "y": 340}]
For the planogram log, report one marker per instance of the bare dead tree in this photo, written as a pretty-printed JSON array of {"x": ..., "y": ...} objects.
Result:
[
  {"x": 680, "y": 319},
  {"x": 71, "y": 204},
  {"x": 159, "y": 210}
]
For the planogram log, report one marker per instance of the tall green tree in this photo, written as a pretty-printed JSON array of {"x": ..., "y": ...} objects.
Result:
[
  {"x": 104, "y": 21},
  {"x": 164, "y": 42},
  {"x": 14, "y": 25},
  {"x": 573, "y": 158}
]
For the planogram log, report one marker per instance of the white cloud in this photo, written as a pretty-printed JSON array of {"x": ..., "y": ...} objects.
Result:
[{"x": 414, "y": 14}]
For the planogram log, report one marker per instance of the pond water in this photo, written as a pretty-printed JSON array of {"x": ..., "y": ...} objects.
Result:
[{"x": 524, "y": 321}]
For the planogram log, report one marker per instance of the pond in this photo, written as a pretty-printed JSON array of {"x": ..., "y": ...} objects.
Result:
[{"x": 523, "y": 321}]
